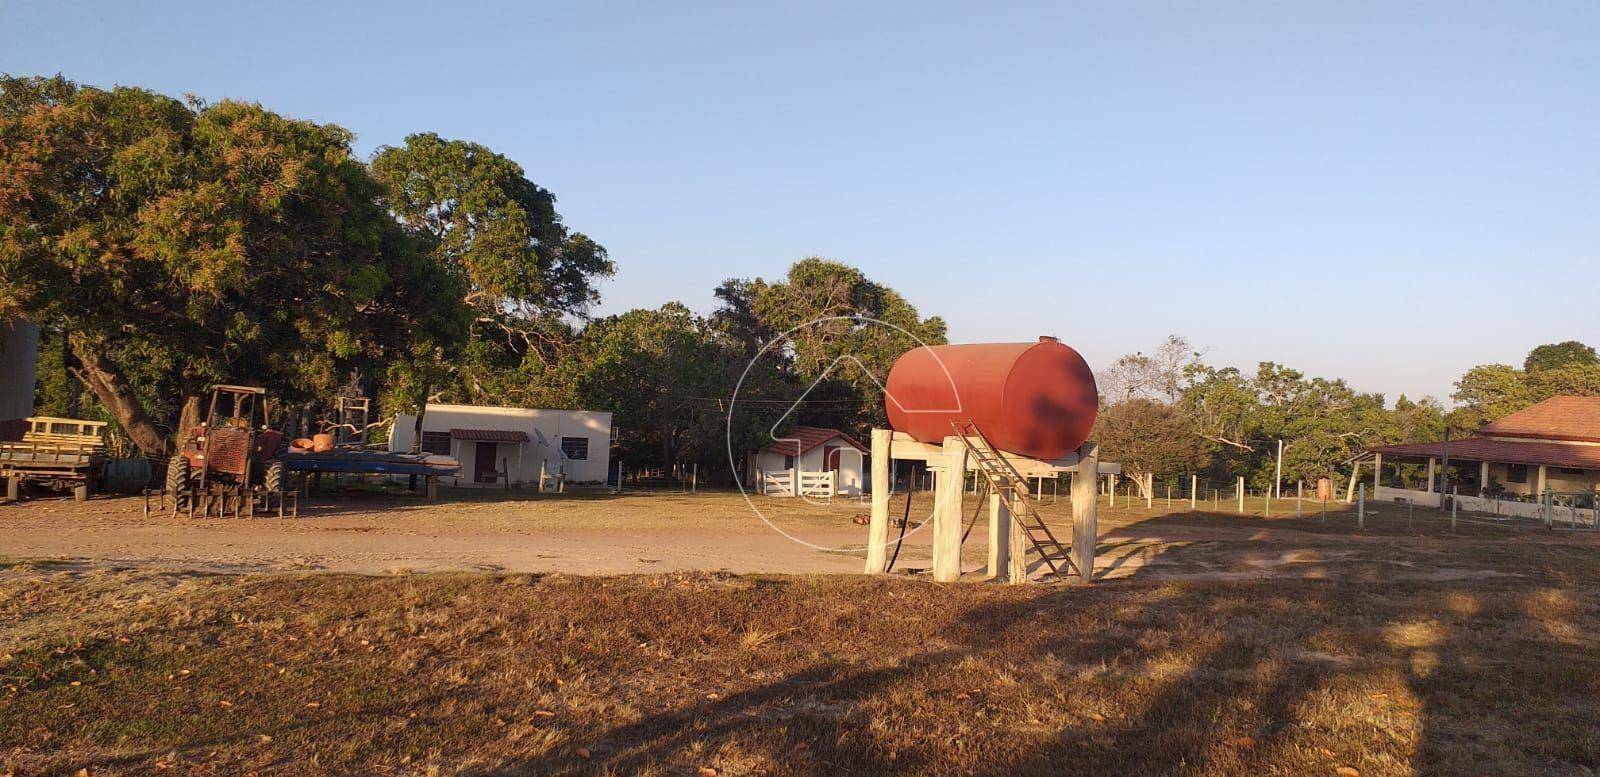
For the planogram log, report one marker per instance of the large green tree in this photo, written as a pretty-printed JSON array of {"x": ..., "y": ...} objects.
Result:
[
  {"x": 1148, "y": 436},
  {"x": 176, "y": 245},
  {"x": 1492, "y": 391},
  {"x": 1556, "y": 355},
  {"x": 835, "y": 331},
  {"x": 520, "y": 269}
]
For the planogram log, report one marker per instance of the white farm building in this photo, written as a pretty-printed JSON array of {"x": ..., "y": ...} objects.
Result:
[
  {"x": 826, "y": 462},
  {"x": 498, "y": 445}
]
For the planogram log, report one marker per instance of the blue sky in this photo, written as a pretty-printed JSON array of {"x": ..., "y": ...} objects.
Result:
[{"x": 1389, "y": 193}]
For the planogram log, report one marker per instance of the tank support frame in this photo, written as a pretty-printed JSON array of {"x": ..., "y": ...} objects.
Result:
[{"x": 1008, "y": 544}]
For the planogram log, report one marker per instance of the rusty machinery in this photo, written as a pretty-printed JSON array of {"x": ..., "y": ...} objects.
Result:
[{"x": 232, "y": 453}]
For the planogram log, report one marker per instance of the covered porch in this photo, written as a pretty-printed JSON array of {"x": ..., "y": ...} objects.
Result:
[{"x": 1500, "y": 470}]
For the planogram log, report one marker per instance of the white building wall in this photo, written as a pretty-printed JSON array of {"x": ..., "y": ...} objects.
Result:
[
  {"x": 19, "y": 361},
  {"x": 522, "y": 458}
]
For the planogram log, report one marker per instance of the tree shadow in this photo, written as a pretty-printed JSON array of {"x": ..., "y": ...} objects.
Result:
[{"x": 1147, "y": 675}]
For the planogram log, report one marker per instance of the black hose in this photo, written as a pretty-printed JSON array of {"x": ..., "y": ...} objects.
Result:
[
  {"x": 975, "y": 512},
  {"x": 905, "y": 518}
]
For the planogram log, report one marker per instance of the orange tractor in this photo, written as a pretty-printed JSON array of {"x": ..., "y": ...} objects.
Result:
[{"x": 233, "y": 450}]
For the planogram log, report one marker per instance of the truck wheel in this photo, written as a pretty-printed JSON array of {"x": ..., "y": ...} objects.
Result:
[
  {"x": 178, "y": 481},
  {"x": 273, "y": 481}
]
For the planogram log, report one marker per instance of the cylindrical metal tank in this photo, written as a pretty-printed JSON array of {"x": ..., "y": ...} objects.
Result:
[
  {"x": 125, "y": 476},
  {"x": 1032, "y": 399}
]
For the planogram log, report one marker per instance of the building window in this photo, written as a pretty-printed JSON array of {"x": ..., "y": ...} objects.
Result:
[
  {"x": 1516, "y": 473},
  {"x": 575, "y": 448},
  {"x": 788, "y": 462},
  {"x": 436, "y": 442}
]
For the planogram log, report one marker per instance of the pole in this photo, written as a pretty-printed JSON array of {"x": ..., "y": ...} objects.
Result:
[
  {"x": 1241, "y": 494},
  {"x": 882, "y": 486},
  {"x": 1084, "y": 516},
  {"x": 1361, "y": 506},
  {"x": 1277, "y": 477},
  {"x": 1454, "y": 492},
  {"x": 1194, "y": 490},
  {"x": 1444, "y": 473},
  {"x": 694, "y": 479}
]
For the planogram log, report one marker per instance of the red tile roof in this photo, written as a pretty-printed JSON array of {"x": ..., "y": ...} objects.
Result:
[
  {"x": 1555, "y": 454},
  {"x": 489, "y": 435},
  {"x": 1556, "y": 418},
  {"x": 808, "y": 437}
]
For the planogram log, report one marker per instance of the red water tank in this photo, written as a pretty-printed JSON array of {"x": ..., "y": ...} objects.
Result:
[{"x": 1033, "y": 399}]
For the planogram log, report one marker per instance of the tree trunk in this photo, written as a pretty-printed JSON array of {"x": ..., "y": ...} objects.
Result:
[
  {"x": 102, "y": 377},
  {"x": 422, "y": 410},
  {"x": 189, "y": 418},
  {"x": 1138, "y": 479}
]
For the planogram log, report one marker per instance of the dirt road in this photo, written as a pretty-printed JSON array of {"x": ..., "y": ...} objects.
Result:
[{"x": 600, "y": 533}]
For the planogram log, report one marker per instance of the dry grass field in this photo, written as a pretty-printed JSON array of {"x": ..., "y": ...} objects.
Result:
[{"x": 1216, "y": 644}]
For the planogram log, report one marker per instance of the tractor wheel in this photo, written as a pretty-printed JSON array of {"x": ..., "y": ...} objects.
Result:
[
  {"x": 178, "y": 481},
  {"x": 273, "y": 481}
]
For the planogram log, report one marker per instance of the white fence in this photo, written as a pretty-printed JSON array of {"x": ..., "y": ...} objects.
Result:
[
  {"x": 1391, "y": 494},
  {"x": 1508, "y": 508},
  {"x": 811, "y": 484}
]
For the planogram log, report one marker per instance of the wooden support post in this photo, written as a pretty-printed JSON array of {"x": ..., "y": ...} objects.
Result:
[
  {"x": 1483, "y": 477},
  {"x": 1432, "y": 465},
  {"x": 999, "y": 538},
  {"x": 948, "y": 489},
  {"x": 1241, "y": 494},
  {"x": 1194, "y": 490},
  {"x": 882, "y": 483},
  {"x": 1361, "y": 507},
  {"x": 1149, "y": 489},
  {"x": 433, "y": 492},
  {"x": 1377, "y": 473},
  {"x": 1017, "y": 540},
  {"x": 1085, "y": 531},
  {"x": 1111, "y": 489},
  {"x": 1455, "y": 493}
]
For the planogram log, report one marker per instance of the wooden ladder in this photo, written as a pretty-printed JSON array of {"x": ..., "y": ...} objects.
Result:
[{"x": 1012, "y": 487}]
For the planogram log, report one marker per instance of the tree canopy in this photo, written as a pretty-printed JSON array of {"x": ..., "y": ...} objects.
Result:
[
  {"x": 1557, "y": 355},
  {"x": 1491, "y": 391},
  {"x": 178, "y": 245}
]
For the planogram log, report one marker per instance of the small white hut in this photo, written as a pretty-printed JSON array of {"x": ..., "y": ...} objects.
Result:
[{"x": 824, "y": 462}]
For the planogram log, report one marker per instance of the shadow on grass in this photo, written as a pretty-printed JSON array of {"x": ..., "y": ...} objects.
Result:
[{"x": 1292, "y": 676}]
